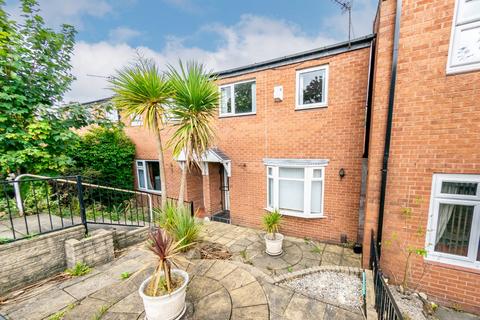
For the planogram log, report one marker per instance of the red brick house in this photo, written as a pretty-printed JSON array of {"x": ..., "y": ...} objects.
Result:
[{"x": 380, "y": 134}]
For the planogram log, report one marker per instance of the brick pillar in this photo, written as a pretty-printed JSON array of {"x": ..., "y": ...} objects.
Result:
[{"x": 206, "y": 195}]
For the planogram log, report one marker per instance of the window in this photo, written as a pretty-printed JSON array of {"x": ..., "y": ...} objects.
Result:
[
  {"x": 453, "y": 234},
  {"x": 464, "y": 51},
  {"x": 137, "y": 120},
  {"x": 238, "y": 98},
  {"x": 148, "y": 175},
  {"x": 312, "y": 87},
  {"x": 295, "y": 187}
]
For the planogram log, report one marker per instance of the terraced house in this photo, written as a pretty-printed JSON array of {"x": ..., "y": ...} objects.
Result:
[{"x": 379, "y": 134}]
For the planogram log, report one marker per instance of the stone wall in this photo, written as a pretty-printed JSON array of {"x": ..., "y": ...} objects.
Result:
[
  {"x": 29, "y": 260},
  {"x": 95, "y": 250},
  {"x": 123, "y": 238}
]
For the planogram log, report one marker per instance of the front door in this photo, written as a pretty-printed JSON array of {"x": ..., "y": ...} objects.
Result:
[{"x": 225, "y": 189}]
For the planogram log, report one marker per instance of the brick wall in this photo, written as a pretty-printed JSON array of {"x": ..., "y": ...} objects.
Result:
[
  {"x": 278, "y": 131},
  {"x": 93, "y": 251},
  {"x": 126, "y": 238},
  {"x": 436, "y": 128},
  {"x": 27, "y": 261}
]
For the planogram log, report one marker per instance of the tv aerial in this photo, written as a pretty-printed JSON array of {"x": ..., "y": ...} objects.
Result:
[{"x": 346, "y": 6}]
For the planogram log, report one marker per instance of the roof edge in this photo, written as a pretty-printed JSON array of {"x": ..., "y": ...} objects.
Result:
[{"x": 341, "y": 47}]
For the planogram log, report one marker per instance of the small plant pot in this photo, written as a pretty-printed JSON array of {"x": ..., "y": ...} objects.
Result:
[
  {"x": 274, "y": 247},
  {"x": 168, "y": 307},
  {"x": 357, "y": 248}
]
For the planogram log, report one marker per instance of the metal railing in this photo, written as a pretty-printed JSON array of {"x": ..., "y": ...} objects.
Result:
[
  {"x": 387, "y": 308},
  {"x": 31, "y": 205}
]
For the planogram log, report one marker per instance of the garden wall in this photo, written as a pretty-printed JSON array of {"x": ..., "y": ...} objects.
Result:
[
  {"x": 26, "y": 261},
  {"x": 93, "y": 251}
]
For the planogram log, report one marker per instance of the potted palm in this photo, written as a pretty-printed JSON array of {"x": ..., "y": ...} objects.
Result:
[
  {"x": 163, "y": 293},
  {"x": 273, "y": 239}
]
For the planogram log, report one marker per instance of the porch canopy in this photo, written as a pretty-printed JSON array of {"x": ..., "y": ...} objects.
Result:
[{"x": 211, "y": 155}]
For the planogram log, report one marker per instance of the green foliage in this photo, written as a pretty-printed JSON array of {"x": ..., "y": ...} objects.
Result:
[
  {"x": 80, "y": 269},
  {"x": 125, "y": 275},
  {"x": 101, "y": 312},
  {"x": 4, "y": 240},
  {"x": 35, "y": 72},
  {"x": 61, "y": 314},
  {"x": 141, "y": 89},
  {"x": 106, "y": 154},
  {"x": 271, "y": 222},
  {"x": 179, "y": 223}
]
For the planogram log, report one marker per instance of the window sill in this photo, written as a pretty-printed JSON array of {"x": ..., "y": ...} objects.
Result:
[
  {"x": 310, "y": 106},
  {"x": 452, "y": 71},
  {"x": 150, "y": 191},
  {"x": 237, "y": 115},
  {"x": 298, "y": 215},
  {"x": 461, "y": 265}
]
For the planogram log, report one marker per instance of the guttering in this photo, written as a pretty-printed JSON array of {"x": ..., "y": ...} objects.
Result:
[
  {"x": 368, "y": 116},
  {"x": 359, "y": 43},
  {"x": 388, "y": 133}
]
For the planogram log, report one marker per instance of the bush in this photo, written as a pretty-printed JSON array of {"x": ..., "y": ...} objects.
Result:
[
  {"x": 106, "y": 154},
  {"x": 179, "y": 223},
  {"x": 271, "y": 222}
]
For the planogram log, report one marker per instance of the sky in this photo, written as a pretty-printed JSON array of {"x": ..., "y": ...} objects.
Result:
[{"x": 222, "y": 34}]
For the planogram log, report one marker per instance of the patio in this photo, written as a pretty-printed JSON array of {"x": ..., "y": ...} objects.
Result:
[{"x": 244, "y": 287}]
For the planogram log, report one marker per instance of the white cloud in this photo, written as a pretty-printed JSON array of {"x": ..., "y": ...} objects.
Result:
[
  {"x": 363, "y": 12},
  {"x": 252, "y": 39},
  {"x": 57, "y": 12},
  {"x": 123, "y": 34}
]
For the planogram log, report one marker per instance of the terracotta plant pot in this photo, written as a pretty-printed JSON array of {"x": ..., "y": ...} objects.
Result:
[
  {"x": 168, "y": 307},
  {"x": 274, "y": 247}
]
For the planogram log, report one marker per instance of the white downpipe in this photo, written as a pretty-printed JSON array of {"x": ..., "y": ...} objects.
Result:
[{"x": 18, "y": 194}]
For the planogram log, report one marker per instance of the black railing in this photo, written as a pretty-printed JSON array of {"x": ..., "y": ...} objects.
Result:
[
  {"x": 33, "y": 205},
  {"x": 385, "y": 304}
]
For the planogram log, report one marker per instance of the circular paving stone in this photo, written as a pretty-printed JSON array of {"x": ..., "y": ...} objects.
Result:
[{"x": 292, "y": 254}]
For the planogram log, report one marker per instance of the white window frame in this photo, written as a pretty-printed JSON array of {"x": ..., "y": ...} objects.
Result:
[
  {"x": 136, "y": 120},
  {"x": 324, "y": 104},
  {"x": 308, "y": 166},
  {"x": 437, "y": 197},
  {"x": 457, "y": 26},
  {"x": 231, "y": 87},
  {"x": 145, "y": 173}
]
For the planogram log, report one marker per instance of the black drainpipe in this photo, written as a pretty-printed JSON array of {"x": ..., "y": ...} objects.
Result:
[
  {"x": 388, "y": 133},
  {"x": 371, "y": 72}
]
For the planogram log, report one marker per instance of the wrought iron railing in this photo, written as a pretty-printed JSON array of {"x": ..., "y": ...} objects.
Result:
[
  {"x": 31, "y": 205},
  {"x": 385, "y": 305}
]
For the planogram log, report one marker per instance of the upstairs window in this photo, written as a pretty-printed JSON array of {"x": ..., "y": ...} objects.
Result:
[
  {"x": 238, "y": 98},
  {"x": 453, "y": 234},
  {"x": 136, "y": 120},
  {"x": 464, "y": 51},
  {"x": 312, "y": 87}
]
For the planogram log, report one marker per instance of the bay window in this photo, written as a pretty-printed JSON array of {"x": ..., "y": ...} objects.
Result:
[
  {"x": 238, "y": 98},
  {"x": 453, "y": 234},
  {"x": 296, "y": 187},
  {"x": 148, "y": 175}
]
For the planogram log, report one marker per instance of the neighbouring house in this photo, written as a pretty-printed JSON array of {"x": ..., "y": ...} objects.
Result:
[{"x": 378, "y": 134}]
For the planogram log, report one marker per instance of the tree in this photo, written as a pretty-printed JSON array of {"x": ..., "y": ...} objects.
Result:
[
  {"x": 195, "y": 103},
  {"x": 141, "y": 89},
  {"x": 35, "y": 72},
  {"x": 313, "y": 93},
  {"x": 106, "y": 154}
]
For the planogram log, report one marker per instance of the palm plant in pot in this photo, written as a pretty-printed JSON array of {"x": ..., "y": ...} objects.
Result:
[
  {"x": 163, "y": 293},
  {"x": 273, "y": 239}
]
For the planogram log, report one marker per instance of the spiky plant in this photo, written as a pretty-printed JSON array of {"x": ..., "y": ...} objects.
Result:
[
  {"x": 271, "y": 222},
  {"x": 178, "y": 222},
  {"x": 141, "y": 89},
  {"x": 196, "y": 99},
  {"x": 167, "y": 250}
]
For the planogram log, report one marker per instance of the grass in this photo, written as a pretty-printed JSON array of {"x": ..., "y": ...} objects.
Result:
[
  {"x": 4, "y": 240},
  {"x": 101, "y": 312},
  {"x": 316, "y": 249},
  {"x": 290, "y": 269},
  {"x": 61, "y": 314},
  {"x": 80, "y": 269},
  {"x": 125, "y": 275}
]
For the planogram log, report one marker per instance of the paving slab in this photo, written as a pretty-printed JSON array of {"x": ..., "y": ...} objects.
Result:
[
  {"x": 304, "y": 308},
  {"x": 215, "y": 306},
  {"x": 259, "y": 312},
  {"x": 249, "y": 295}
]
